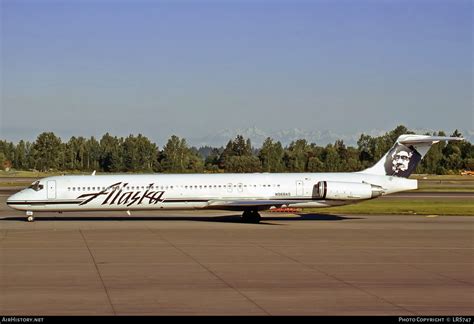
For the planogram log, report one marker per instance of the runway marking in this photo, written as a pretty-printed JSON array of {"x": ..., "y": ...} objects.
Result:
[
  {"x": 431, "y": 216},
  {"x": 442, "y": 275},
  {"x": 210, "y": 271},
  {"x": 98, "y": 272},
  {"x": 315, "y": 268}
]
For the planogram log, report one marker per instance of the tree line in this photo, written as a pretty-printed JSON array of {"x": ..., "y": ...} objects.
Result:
[{"x": 139, "y": 154}]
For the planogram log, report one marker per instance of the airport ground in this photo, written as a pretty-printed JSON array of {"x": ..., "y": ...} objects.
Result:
[{"x": 209, "y": 263}]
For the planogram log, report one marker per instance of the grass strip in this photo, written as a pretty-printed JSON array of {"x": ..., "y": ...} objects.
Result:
[{"x": 405, "y": 207}]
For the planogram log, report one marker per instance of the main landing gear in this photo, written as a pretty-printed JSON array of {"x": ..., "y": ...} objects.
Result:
[
  {"x": 29, "y": 216},
  {"x": 251, "y": 216}
]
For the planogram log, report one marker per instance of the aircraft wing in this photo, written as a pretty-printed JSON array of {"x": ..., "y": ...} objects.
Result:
[{"x": 247, "y": 203}]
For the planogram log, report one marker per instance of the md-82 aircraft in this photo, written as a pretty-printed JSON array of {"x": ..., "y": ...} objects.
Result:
[{"x": 249, "y": 193}]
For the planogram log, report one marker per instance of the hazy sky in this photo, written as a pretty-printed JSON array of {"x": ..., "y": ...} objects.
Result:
[{"x": 86, "y": 67}]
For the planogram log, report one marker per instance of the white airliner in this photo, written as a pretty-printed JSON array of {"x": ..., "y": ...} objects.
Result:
[{"x": 249, "y": 193}]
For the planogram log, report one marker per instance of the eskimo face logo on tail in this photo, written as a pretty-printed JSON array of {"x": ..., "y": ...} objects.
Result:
[
  {"x": 401, "y": 161},
  {"x": 117, "y": 194}
]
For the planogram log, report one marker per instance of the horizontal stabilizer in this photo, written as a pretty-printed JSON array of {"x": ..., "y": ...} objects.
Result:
[{"x": 420, "y": 139}]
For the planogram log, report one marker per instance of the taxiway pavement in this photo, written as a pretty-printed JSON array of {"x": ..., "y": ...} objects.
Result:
[{"x": 209, "y": 263}]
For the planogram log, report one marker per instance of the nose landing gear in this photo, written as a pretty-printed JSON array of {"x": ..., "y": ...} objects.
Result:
[{"x": 29, "y": 216}]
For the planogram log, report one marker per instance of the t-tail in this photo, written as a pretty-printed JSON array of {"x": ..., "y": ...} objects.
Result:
[{"x": 402, "y": 159}]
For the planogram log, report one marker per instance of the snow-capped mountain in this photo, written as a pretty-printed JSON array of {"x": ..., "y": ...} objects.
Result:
[{"x": 320, "y": 137}]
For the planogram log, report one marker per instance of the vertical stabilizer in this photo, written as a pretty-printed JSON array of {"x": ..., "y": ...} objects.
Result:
[{"x": 402, "y": 159}]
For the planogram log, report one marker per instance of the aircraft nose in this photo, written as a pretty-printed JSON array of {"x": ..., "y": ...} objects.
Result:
[{"x": 13, "y": 199}]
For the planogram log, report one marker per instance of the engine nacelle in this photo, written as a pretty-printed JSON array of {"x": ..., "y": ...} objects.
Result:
[{"x": 345, "y": 190}]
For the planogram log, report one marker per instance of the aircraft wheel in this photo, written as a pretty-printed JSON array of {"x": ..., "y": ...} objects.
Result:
[
  {"x": 29, "y": 216},
  {"x": 246, "y": 216},
  {"x": 256, "y": 217},
  {"x": 251, "y": 216}
]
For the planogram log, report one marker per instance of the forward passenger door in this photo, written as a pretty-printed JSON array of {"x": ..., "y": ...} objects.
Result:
[{"x": 51, "y": 189}]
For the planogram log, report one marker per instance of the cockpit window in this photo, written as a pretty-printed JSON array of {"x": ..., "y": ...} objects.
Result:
[{"x": 36, "y": 186}]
